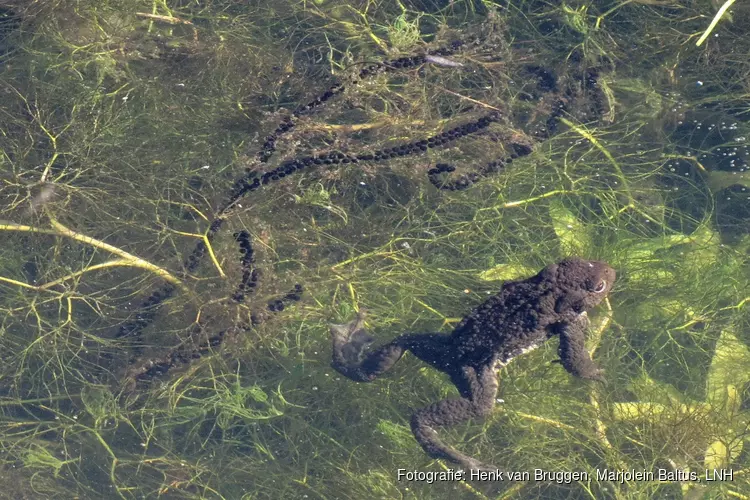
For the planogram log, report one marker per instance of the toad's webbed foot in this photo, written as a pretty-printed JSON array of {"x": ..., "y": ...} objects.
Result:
[
  {"x": 478, "y": 390},
  {"x": 350, "y": 340}
]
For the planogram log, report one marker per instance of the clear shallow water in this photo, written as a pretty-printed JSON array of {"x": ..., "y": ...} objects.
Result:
[{"x": 128, "y": 127}]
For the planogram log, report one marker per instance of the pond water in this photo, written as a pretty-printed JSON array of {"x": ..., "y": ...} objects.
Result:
[{"x": 192, "y": 193}]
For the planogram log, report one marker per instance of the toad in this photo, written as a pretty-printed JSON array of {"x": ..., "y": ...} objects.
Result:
[{"x": 519, "y": 318}]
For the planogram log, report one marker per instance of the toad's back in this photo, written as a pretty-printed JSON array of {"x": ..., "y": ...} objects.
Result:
[{"x": 515, "y": 320}]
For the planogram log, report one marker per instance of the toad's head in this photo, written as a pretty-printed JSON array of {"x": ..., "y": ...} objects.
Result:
[{"x": 579, "y": 284}]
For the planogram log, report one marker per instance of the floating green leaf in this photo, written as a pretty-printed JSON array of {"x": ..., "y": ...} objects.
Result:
[
  {"x": 574, "y": 236},
  {"x": 505, "y": 272},
  {"x": 728, "y": 371}
]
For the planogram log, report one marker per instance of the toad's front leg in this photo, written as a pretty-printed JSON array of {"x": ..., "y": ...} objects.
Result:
[
  {"x": 573, "y": 354},
  {"x": 478, "y": 389}
]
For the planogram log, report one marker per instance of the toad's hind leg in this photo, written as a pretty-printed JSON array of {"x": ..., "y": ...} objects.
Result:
[
  {"x": 350, "y": 341},
  {"x": 478, "y": 389}
]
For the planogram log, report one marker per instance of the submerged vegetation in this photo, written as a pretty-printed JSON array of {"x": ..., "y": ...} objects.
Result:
[{"x": 337, "y": 156}]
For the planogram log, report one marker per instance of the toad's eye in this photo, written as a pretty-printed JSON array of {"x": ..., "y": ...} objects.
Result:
[{"x": 601, "y": 286}]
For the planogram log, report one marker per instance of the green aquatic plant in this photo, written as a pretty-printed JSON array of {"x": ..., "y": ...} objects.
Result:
[
  {"x": 719, "y": 14},
  {"x": 101, "y": 404},
  {"x": 318, "y": 196},
  {"x": 41, "y": 459},
  {"x": 238, "y": 401},
  {"x": 403, "y": 34},
  {"x": 719, "y": 425},
  {"x": 127, "y": 124}
]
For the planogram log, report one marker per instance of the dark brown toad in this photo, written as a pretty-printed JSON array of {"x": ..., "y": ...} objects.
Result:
[{"x": 519, "y": 318}]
